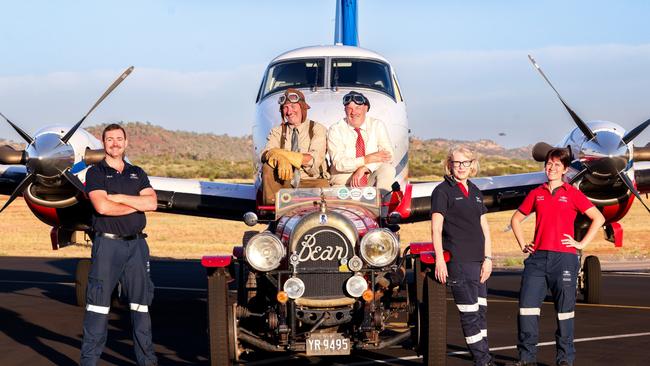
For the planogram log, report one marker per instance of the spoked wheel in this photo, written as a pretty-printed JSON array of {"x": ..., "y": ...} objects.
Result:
[
  {"x": 220, "y": 320},
  {"x": 81, "y": 281},
  {"x": 433, "y": 342},
  {"x": 591, "y": 280}
]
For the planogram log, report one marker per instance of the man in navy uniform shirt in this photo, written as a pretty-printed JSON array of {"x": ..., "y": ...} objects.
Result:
[{"x": 120, "y": 194}]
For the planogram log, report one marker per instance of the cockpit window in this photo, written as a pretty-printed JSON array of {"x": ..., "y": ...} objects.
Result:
[
  {"x": 294, "y": 74},
  {"x": 362, "y": 73}
]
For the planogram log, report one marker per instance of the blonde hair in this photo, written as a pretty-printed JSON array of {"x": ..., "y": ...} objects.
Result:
[{"x": 474, "y": 168}]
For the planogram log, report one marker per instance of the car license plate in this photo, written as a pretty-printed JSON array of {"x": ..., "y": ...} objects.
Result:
[{"x": 320, "y": 344}]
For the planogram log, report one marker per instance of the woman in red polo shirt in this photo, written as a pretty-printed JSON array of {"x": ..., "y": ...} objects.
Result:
[
  {"x": 459, "y": 225},
  {"x": 553, "y": 260}
]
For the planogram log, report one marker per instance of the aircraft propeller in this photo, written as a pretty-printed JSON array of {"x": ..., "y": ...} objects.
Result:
[
  {"x": 604, "y": 154},
  {"x": 49, "y": 156}
]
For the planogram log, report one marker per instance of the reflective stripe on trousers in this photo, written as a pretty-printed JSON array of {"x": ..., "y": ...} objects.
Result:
[
  {"x": 470, "y": 297},
  {"x": 128, "y": 263},
  {"x": 557, "y": 271}
]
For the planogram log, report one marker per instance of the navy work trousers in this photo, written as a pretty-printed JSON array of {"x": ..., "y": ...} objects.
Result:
[
  {"x": 470, "y": 296},
  {"x": 559, "y": 272},
  {"x": 128, "y": 262}
]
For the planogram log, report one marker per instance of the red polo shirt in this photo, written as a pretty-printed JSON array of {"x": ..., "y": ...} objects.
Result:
[{"x": 555, "y": 214}]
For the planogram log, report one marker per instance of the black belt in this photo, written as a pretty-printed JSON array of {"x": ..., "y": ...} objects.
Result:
[{"x": 121, "y": 237}]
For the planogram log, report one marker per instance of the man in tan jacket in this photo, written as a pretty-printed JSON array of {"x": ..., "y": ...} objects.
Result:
[{"x": 294, "y": 155}]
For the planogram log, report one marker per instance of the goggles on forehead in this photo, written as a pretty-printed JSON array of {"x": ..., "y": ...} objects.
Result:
[
  {"x": 356, "y": 98},
  {"x": 291, "y": 97}
]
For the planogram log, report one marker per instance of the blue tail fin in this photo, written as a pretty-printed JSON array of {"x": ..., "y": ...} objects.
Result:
[{"x": 346, "y": 23}]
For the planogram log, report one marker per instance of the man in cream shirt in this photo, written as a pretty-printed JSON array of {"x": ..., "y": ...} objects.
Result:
[{"x": 359, "y": 147}]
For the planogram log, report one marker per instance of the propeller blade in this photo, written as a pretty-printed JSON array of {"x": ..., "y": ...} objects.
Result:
[
  {"x": 578, "y": 176},
  {"x": 630, "y": 186},
  {"x": 101, "y": 99},
  {"x": 540, "y": 150},
  {"x": 22, "y": 133},
  {"x": 74, "y": 180},
  {"x": 635, "y": 132},
  {"x": 578, "y": 121},
  {"x": 19, "y": 189}
]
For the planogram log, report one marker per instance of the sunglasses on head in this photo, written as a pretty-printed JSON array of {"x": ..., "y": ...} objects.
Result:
[
  {"x": 291, "y": 97},
  {"x": 356, "y": 98}
]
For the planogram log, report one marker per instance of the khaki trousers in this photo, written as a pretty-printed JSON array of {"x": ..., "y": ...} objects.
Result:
[{"x": 271, "y": 184}]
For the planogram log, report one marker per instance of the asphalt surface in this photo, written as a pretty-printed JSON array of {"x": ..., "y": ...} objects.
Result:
[{"x": 40, "y": 323}]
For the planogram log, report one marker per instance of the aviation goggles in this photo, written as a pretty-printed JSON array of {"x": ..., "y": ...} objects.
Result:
[
  {"x": 291, "y": 97},
  {"x": 356, "y": 98}
]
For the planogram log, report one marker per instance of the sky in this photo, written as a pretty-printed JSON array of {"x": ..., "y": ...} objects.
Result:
[{"x": 462, "y": 65}]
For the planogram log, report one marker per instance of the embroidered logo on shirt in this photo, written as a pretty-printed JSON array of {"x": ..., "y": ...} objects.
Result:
[
  {"x": 459, "y": 198},
  {"x": 563, "y": 199},
  {"x": 133, "y": 176},
  {"x": 109, "y": 176},
  {"x": 540, "y": 198},
  {"x": 478, "y": 199}
]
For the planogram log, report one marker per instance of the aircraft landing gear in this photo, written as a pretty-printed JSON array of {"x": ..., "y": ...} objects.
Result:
[
  {"x": 589, "y": 280},
  {"x": 589, "y": 277}
]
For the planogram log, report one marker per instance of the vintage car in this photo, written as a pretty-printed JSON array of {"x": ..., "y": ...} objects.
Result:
[{"x": 327, "y": 277}]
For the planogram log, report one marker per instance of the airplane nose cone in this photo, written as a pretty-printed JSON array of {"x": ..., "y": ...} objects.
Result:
[
  {"x": 48, "y": 156},
  {"x": 605, "y": 155}
]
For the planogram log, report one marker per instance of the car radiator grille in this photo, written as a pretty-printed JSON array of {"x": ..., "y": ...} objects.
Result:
[{"x": 321, "y": 250}]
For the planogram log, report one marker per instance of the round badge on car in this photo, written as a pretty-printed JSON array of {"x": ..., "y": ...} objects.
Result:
[{"x": 343, "y": 193}]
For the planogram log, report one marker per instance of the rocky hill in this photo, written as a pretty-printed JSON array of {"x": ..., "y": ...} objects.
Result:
[
  {"x": 184, "y": 154},
  {"x": 146, "y": 139}
]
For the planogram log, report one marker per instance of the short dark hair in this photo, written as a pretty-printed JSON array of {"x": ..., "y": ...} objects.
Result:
[
  {"x": 559, "y": 153},
  {"x": 111, "y": 127}
]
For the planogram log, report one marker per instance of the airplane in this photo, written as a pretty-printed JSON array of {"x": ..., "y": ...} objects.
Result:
[{"x": 50, "y": 171}]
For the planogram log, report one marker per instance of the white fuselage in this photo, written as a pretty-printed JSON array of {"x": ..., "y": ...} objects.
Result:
[{"x": 325, "y": 99}]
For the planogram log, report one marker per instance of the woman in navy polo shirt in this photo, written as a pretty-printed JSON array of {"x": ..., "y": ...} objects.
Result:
[
  {"x": 459, "y": 225},
  {"x": 553, "y": 261}
]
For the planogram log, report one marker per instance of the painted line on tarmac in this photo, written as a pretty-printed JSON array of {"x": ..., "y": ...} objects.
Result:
[
  {"x": 458, "y": 353},
  {"x": 37, "y": 282},
  {"x": 192, "y": 289},
  {"x": 610, "y": 306},
  {"x": 72, "y": 284},
  {"x": 578, "y": 340},
  {"x": 626, "y": 274}
]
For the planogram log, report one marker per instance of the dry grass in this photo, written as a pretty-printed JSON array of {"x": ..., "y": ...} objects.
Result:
[{"x": 184, "y": 237}]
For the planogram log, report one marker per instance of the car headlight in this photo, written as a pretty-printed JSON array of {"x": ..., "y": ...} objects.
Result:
[
  {"x": 379, "y": 247},
  {"x": 294, "y": 287},
  {"x": 264, "y": 252},
  {"x": 356, "y": 285}
]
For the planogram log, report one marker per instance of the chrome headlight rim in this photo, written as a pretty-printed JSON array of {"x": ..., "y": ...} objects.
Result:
[
  {"x": 252, "y": 255},
  {"x": 369, "y": 239}
]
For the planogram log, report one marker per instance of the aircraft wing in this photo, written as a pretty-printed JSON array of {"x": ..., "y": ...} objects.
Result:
[
  {"x": 179, "y": 196},
  {"x": 500, "y": 193},
  {"x": 207, "y": 199}
]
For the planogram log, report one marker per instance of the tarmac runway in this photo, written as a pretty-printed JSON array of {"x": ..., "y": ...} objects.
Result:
[{"x": 40, "y": 323}]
